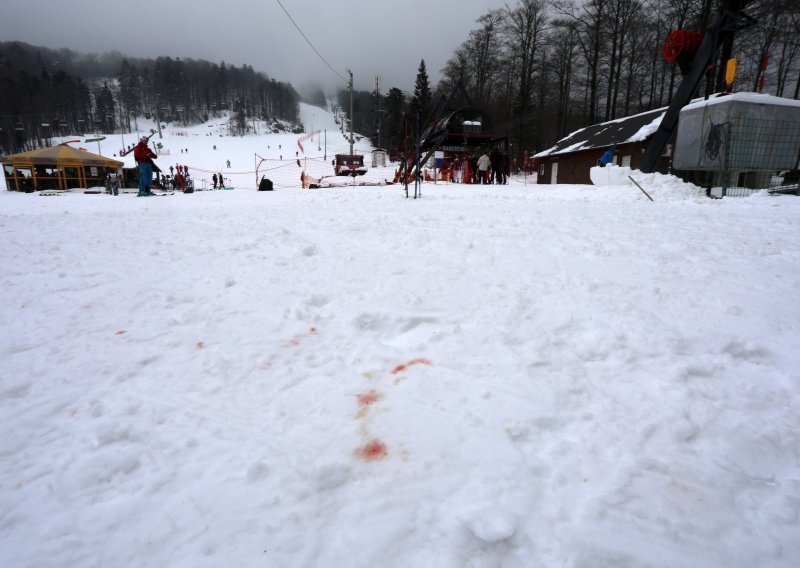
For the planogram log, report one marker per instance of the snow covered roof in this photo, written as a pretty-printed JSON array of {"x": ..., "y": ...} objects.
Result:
[
  {"x": 755, "y": 98},
  {"x": 619, "y": 131},
  {"x": 62, "y": 154},
  {"x": 640, "y": 126}
]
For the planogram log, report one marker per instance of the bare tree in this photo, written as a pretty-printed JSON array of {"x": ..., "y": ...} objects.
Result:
[
  {"x": 589, "y": 18},
  {"x": 484, "y": 47},
  {"x": 620, "y": 18},
  {"x": 525, "y": 35},
  {"x": 564, "y": 38}
]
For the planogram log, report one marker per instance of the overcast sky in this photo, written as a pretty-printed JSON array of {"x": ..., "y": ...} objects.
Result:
[{"x": 371, "y": 37}]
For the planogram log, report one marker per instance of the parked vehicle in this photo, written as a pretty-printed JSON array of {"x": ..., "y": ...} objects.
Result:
[{"x": 349, "y": 165}]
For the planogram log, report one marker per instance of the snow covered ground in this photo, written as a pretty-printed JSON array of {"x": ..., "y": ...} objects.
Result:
[{"x": 488, "y": 376}]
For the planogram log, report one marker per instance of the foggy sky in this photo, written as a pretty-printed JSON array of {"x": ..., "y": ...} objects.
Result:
[{"x": 370, "y": 37}]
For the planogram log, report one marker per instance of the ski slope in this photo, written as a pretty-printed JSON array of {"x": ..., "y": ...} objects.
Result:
[
  {"x": 488, "y": 376},
  {"x": 207, "y": 148}
]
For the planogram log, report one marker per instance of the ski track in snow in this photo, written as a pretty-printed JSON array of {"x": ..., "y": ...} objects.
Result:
[{"x": 556, "y": 377}]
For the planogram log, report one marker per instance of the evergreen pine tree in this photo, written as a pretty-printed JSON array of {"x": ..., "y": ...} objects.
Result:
[
  {"x": 130, "y": 92},
  {"x": 393, "y": 129},
  {"x": 421, "y": 101},
  {"x": 105, "y": 109}
]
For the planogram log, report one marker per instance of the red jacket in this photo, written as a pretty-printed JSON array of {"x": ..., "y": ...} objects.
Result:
[{"x": 141, "y": 153}]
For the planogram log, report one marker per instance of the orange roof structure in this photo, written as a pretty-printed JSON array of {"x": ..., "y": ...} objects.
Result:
[
  {"x": 61, "y": 153},
  {"x": 70, "y": 163}
]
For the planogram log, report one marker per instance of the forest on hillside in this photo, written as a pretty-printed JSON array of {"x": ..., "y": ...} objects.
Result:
[
  {"x": 46, "y": 93},
  {"x": 539, "y": 68},
  {"x": 544, "y": 68}
]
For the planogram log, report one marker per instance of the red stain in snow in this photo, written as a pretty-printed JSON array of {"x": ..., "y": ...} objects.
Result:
[
  {"x": 418, "y": 361},
  {"x": 121, "y": 332},
  {"x": 368, "y": 398},
  {"x": 373, "y": 450},
  {"x": 295, "y": 341},
  {"x": 200, "y": 344}
]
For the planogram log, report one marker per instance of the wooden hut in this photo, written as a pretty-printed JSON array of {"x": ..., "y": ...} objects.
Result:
[
  {"x": 57, "y": 167},
  {"x": 570, "y": 160}
]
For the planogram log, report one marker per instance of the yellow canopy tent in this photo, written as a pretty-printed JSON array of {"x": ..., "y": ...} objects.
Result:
[{"x": 59, "y": 166}]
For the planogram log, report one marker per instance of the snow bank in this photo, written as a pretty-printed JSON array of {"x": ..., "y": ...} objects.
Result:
[
  {"x": 609, "y": 175},
  {"x": 661, "y": 186}
]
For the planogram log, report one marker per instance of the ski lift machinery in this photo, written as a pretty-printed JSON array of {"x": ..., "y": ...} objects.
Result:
[
  {"x": 350, "y": 164},
  {"x": 695, "y": 56}
]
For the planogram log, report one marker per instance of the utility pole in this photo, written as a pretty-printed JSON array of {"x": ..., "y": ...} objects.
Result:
[
  {"x": 351, "y": 111},
  {"x": 158, "y": 114},
  {"x": 378, "y": 107}
]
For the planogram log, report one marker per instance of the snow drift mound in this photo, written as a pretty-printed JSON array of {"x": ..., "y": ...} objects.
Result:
[
  {"x": 664, "y": 187},
  {"x": 661, "y": 187},
  {"x": 609, "y": 175}
]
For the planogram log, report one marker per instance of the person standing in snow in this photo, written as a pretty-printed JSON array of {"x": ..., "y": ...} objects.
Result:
[
  {"x": 229, "y": 163},
  {"x": 144, "y": 156},
  {"x": 466, "y": 170},
  {"x": 483, "y": 166},
  {"x": 214, "y": 179},
  {"x": 221, "y": 183},
  {"x": 473, "y": 163},
  {"x": 457, "y": 170},
  {"x": 180, "y": 181},
  {"x": 499, "y": 168}
]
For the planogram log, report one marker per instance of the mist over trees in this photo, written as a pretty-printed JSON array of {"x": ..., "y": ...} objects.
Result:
[
  {"x": 544, "y": 68},
  {"x": 45, "y": 93},
  {"x": 540, "y": 68}
]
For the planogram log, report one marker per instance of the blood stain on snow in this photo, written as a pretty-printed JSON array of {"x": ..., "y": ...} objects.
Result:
[
  {"x": 373, "y": 450},
  {"x": 369, "y": 398},
  {"x": 365, "y": 401},
  {"x": 295, "y": 341},
  {"x": 200, "y": 344},
  {"x": 418, "y": 361},
  {"x": 121, "y": 332}
]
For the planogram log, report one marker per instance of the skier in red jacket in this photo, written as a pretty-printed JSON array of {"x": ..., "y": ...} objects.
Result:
[{"x": 144, "y": 156}]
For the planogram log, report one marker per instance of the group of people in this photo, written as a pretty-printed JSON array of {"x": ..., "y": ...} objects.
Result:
[
  {"x": 484, "y": 169},
  {"x": 179, "y": 174},
  {"x": 182, "y": 179},
  {"x": 217, "y": 178}
]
